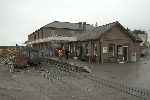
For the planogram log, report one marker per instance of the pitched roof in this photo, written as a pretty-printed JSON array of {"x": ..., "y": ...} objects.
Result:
[
  {"x": 68, "y": 25},
  {"x": 98, "y": 31}
]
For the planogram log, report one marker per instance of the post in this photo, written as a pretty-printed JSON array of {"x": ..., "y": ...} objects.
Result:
[
  {"x": 98, "y": 52},
  {"x": 101, "y": 48}
]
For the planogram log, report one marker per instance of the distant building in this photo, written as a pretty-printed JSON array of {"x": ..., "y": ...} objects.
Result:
[{"x": 106, "y": 43}]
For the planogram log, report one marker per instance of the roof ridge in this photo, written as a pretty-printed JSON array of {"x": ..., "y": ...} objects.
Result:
[
  {"x": 68, "y": 22},
  {"x": 107, "y": 24}
]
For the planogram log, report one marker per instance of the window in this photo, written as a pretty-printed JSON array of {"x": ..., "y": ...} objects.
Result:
[
  {"x": 111, "y": 49},
  {"x": 38, "y": 35},
  {"x": 105, "y": 49},
  {"x": 42, "y": 35},
  {"x": 34, "y": 36}
]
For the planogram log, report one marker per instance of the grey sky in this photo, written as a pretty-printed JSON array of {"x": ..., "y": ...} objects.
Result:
[{"x": 18, "y": 18}]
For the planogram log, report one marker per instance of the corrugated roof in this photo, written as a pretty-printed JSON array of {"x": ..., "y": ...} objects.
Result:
[
  {"x": 68, "y": 25},
  {"x": 96, "y": 32}
]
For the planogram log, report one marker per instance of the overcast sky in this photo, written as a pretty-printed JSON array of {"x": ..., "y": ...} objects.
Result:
[{"x": 18, "y": 18}]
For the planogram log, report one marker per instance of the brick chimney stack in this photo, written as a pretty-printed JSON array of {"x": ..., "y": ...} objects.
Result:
[
  {"x": 84, "y": 26},
  {"x": 80, "y": 25}
]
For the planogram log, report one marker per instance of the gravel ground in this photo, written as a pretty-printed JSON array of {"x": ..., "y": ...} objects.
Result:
[{"x": 52, "y": 83}]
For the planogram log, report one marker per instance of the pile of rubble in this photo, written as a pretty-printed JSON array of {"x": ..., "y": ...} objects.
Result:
[
  {"x": 4, "y": 60},
  {"x": 57, "y": 70}
]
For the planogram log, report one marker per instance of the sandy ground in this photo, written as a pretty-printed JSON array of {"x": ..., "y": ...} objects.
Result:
[{"x": 34, "y": 85}]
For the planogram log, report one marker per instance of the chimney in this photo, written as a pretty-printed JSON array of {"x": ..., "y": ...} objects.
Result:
[
  {"x": 80, "y": 25},
  {"x": 84, "y": 26}
]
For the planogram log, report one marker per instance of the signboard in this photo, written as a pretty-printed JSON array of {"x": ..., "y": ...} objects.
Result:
[{"x": 105, "y": 49}]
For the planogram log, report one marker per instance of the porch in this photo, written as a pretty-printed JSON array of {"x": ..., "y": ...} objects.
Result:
[{"x": 99, "y": 52}]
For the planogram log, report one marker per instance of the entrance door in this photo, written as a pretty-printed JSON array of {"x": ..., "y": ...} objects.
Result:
[
  {"x": 80, "y": 52},
  {"x": 125, "y": 53}
]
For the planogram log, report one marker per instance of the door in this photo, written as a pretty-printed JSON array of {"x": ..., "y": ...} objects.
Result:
[{"x": 125, "y": 53}]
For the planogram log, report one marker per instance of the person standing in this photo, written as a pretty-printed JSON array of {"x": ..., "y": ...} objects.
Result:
[
  {"x": 67, "y": 54},
  {"x": 11, "y": 64},
  {"x": 60, "y": 54}
]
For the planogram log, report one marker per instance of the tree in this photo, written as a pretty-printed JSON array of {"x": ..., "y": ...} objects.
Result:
[
  {"x": 143, "y": 35},
  {"x": 139, "y": 31},
  {"x": 128, "y": 29}
]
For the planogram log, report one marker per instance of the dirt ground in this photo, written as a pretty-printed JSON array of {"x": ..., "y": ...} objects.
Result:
[
  {"x": 133, "y": 74},
  {"x": 55, "y": 85}
]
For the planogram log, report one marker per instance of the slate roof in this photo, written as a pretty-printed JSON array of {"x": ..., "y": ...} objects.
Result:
[
  {"x": 68, "y": 25},
  {"x": 98, "y": 31}
]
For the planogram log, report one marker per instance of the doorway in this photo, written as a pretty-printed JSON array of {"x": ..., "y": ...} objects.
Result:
[
  {"x": 122, "y": 53},
  {"x": 125, "y": 53}
]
